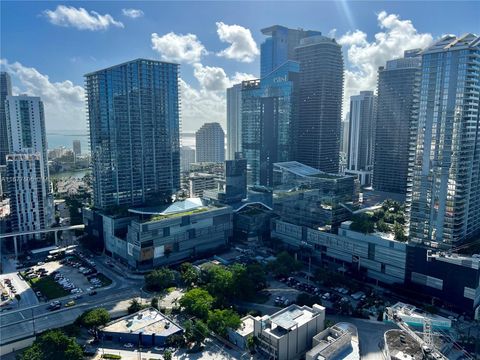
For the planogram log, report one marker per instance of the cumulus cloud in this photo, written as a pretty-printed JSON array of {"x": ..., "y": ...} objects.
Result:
[
  {"x": 178, "y": 47},
  {"x": 364, "y": 57},
  {"x": 242, "y": 46},
  {"x": 212, "y": 78},
  {"x": 132, "y": 13},
  {"x": 64, "y": 101},
  {"x": 70, "y": 16}
]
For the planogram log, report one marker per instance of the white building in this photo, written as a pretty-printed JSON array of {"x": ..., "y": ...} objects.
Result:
[
  {"x": 198, "y": 182},
  {"x": 234, "y": 120},
  {"x": 337, "y": 342},
  {"x": 288, "y": 334},
  {"x": 210, "y": 143},
  {"x": 187, "y": 157},
  {"x": 26, "y": 135},
  {"x": 28, "y": 193}
]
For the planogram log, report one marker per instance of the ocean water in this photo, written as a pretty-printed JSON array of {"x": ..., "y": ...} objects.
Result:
[{"x": 58, "y": 138}]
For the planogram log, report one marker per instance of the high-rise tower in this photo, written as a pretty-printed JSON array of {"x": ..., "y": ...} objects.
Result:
[
  {"x": 443, "y": 199},
  {"x": 210, "y": 143},
  {"x": 320, "y": 103},
  {"x": 133, "y": 113},
  {"x": 5, "y": 90},
  {"x": 234, "y": 121}
]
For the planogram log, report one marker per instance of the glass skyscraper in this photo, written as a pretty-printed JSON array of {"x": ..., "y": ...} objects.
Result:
[
  {"x": 5, "y": 90},
  {"x": 443, "y": 199},
  {"x": 133, "y": 114},
  {"x": 396, "y": 82},
  {"x": 280, "y": 46},
  {"x": 268, "y": 117},
  {"x": 234, "y": 121},
  {"x": 320, "y": 103}
]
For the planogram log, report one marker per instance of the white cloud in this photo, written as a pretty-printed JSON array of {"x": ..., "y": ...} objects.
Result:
[
  {"x": 178, "y": 47},
  {"x": 242, "y": 46},
  {"x": 64, "y": 101},
  {"x": 364, "y": 57},
  {"x": 132, "y": 13},
  {"x": 212, "y": 78},
  {"x": 69, "y": 16}
]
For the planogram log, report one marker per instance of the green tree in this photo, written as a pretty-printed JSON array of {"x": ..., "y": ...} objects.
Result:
[
  {"x": 219, "y": 283},
  {"x": 362, "y": 223},
  {"x": 399, "y": 232},
  {"x": 53, "y": 345},
  {"x": 197, "y": 302},
  {"x": 167, "y": 355},
  {"x": 160, "y": 279},
  {"x": 154, "y": 303},
  {"x": 284, "y": 264},
  {"x": 189, "y": 274},
  {"x": 251, "y": 342},
  {"x": 135, "y": 306},
  {"x": 95, "y": 318},
  {"x": 220, "y": 320},
  {"x": 382, "y": 226},
  {"x": 247, "y": 280}
]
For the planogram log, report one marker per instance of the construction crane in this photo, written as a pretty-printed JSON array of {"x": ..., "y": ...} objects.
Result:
[{"x": 426, "y": 343}]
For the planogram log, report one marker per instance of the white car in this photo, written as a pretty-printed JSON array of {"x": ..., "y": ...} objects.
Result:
[{"x": 128, "y": 345}]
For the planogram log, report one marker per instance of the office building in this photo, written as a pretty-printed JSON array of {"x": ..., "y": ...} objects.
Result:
[
  {"x": 77, "y": 148},
  {"x": 133, "y": 115},
  {"x": 5, "y": 90},
  {"x": 210, "y": 143},
  {"x": 198, "y": 182},
  {"x": 319, "y": 103},
  {"x": 395, "y": 91},
  {"x": 279, "y": 46},
  {"x": 29, "y": 208},
  {"x": 361, "y": 135},
  {"x": 288, "y": 334},
  {"x": 344, "y": 133},
  {"x": 187, "y": 157},
  {"x": 232, "y": 186},
  {"x": 337, "y": 342},
  {"x": 268, "y": 121},
  {"x": 443, "y": 199},
  {"x": 167, "y": 234},
  {"x": 234, "y": 121},
  {"x": 306, "y": 196}
]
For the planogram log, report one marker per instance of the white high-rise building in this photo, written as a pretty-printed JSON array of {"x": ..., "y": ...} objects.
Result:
[
  {"x": 210, "y": 143},
  {"x": 361, "y": 138},
  {"x": 234, "y": 121},
  {"x": 27, "y": 163},
  {"x": 187, "y": 157}
]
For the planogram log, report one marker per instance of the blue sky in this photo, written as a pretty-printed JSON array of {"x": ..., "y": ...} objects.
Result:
[{"x": 48, "y": 53}]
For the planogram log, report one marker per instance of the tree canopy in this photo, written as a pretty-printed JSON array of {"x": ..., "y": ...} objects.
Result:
[
  {"x": 95, "y": 317},
  {"x": 189, "y": 274},
  {"x": 53, "y": 345},
  {"x": 220, "y": 320},
  {"x": 197, "y": 302},
  {"x": 160, "y": 279},
  {"x": 284, "y": 264}
]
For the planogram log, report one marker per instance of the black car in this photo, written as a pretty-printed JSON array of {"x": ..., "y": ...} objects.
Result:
[{"x": 91, "y": 293}]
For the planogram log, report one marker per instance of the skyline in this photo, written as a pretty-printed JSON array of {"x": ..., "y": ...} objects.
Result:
[{"x": 215, "y": 47}]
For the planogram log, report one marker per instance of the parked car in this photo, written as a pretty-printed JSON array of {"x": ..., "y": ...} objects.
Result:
[
  {"x": 128, "y": 345},
  {"x": 91, "y": 293},
  {"x": 70, "y": 303}
]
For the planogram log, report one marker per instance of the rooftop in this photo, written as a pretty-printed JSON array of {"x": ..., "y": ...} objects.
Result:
[{"x": 148, "y": 321}]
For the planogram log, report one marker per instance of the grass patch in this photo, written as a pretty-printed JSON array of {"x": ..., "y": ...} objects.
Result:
[
  {"x": 171, "y": 289},
  {"x": 111, "y": 356},
  {"x": 104, "y": 279},
  {"x": 48, "y": 287}
]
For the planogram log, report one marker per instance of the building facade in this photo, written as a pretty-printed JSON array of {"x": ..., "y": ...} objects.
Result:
[
  {"x": 5, "y": 90},
  {"x": 279, "y": 46},
  {"x": 187, "y": 157},
  {"x": 361, "y": 136},
  {"x": 234, "y": 121},
  {"x": 133, "y": 115},
  {"x": 395, "y": 91},
  {"x": 198, "y": 182},
  {"x": 77, "y": 147},
  {"x": 443, "y": 199},
  {"x": 210, "y": 143},
  {"x": 320, "y": 97},
  {"x": 268, "y": 121}
]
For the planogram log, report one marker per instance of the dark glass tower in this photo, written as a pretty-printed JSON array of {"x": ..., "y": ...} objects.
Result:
[
  {"x": 320, "y": 103},
  {"x": 396, "y": 82},
  {"x": 280, "y": 46},
  {"x": 268, "y": 118},
  {"x": 5, "y": 90},
  {"x": 133, "y": 114}
]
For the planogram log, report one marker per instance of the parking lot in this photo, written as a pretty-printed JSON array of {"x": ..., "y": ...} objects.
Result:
[{"x": 72, "y": 275}]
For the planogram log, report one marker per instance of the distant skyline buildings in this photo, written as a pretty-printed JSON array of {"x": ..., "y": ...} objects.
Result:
[
  {"x": 187, "y": 157},
  {"x": 133, "y": 114},
  {"x": 320, "y": 97},
  {"x": 210, "y": 143},
  {"x": 5, "y": 90},
  {"x": 361, "y": 136},
  {"x": 395, "y": 91},
  {"x": 443, "y": 199},
  {"x": 77, "y": 147},
  {"x": 234, "y": 121}
]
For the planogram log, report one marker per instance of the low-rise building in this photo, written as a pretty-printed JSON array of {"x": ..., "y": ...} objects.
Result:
[
  {"x": 288, "y": 334},
  {"x": 148, "y": 327},
  {"x": 337, "y": 342},
  {"x": 148, "y": 237},
  {"x": 198, "y": 183},
  {"x": 240, "y": 336}
]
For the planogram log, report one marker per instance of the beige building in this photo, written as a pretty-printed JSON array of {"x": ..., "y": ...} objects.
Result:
[{"x": 288, "y": 334}]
